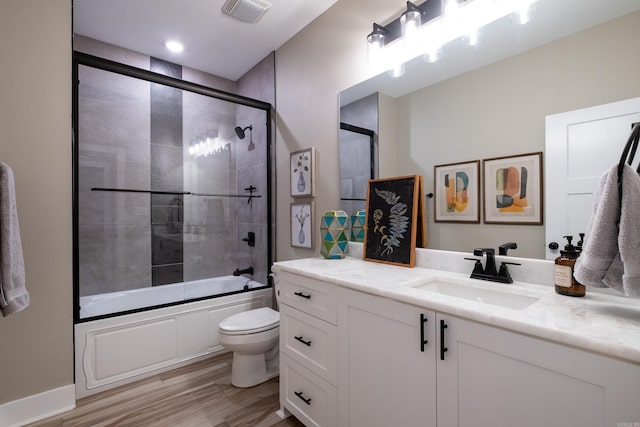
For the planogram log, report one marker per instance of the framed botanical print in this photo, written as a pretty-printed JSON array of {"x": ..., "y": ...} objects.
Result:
[
  {"x": 513, "y": 189},
  {"x": 302, "y": 225},
  {"x": 393, "y": 215},
  {"x": 457, "y": 192},
  {"x": 302, "y": 172}
]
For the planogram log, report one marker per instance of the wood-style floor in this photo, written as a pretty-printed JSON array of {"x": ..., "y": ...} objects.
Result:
[{"x": 198, "y": 395}]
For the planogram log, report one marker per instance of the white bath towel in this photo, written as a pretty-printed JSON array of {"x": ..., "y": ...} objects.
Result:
[
  {"x": 13, "y": 293},
  {"x": 611, "y": 251}
]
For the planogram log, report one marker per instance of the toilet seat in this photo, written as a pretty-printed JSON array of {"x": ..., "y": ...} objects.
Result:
[{"x": 250, "y": 322}]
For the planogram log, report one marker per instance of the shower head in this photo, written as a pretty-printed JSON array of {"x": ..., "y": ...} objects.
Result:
[{"x": 240, "y": 131}]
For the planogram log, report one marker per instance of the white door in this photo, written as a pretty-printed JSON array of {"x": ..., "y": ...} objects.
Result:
[{"x": 581, "y": 146}]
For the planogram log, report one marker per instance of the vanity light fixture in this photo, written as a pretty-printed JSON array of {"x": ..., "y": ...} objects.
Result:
[
  {"x": 425, "y": 28},
  {"x": 410, "y": 22},
  {"x": 375, "y": 43},
  {"x": 174, "y": 46}
]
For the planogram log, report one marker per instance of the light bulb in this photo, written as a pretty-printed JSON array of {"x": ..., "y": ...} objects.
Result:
[
  {"x": 174, "y": 46},
  {"x": 375, "y": 43},
  {"x": 396, "y": 71}
]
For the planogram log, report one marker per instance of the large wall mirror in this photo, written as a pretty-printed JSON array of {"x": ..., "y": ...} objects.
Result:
[{"x": 491, "y": 100}]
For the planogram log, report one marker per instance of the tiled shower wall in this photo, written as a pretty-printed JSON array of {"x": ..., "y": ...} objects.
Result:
[
  {"x": 355, "y": 169},
  {"x": 193, "y": 237}
]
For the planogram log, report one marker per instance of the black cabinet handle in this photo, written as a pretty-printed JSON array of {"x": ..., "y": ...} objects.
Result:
[
  {"x": 443, "y": 349},
  {"x": 307, "y": 343},
  {"x": 423, "y": 342},
  {"x": 300, "y": 294},
  {"x": 299, "y": 394}
]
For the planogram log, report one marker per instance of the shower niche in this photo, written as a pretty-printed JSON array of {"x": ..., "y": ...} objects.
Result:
[{"x": 170, "y": 177}]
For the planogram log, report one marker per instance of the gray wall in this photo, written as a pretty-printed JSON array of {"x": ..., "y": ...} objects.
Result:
[
  {"x": 500, "y": 110},
  {"x": 35, "y": 140},
  {"x": 257, "y": 83}
]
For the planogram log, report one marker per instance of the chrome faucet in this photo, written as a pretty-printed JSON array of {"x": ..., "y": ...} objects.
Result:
[{"x": 489, "y": 271}]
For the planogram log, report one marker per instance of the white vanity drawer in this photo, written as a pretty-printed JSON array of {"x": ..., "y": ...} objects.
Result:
[
  {"x": 311, "y": 296},
  {"x": 310, "y": 398},
  {"x": 310, "y": 341}
]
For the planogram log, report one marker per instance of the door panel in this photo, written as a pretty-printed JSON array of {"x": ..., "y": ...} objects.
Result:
[{"x": 581, "y": 146}]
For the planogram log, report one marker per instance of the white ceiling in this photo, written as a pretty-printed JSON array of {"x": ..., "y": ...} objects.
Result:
[
  {"x": 223, "y": 46},
  {"x": 214, "y": 42}
]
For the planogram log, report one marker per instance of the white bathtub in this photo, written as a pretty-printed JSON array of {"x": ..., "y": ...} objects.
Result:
[
  {"x": 116, "y": 302},
  {"x": 117, "y": 350}
]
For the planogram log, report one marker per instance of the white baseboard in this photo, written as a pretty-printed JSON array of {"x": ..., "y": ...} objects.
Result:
[{"x": 38, "y": 407}]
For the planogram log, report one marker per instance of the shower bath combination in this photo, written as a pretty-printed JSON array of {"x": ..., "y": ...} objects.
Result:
[{"x": 151, "y": 212}]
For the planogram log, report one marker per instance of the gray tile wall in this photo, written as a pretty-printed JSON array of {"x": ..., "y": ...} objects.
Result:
[
  {"x": 258, "y": 83},
  {"x": 114, "y": 230},
  {"x": 145, "y": 145},
  {"x": 355, "y": 169},
  {"x": 166, "y": 175}
]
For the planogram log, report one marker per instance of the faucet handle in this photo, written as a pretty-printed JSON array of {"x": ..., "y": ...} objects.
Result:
[
  {"x": 503, "y": 274},
  {"x": 477, "y": 267},
  {"x": 481, "y": 251}
]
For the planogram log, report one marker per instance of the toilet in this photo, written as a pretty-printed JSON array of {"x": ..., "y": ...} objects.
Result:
[{"x": 253, "y": 337}]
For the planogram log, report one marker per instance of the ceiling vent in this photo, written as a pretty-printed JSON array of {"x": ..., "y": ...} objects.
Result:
[{"x": 246, "y": 10}]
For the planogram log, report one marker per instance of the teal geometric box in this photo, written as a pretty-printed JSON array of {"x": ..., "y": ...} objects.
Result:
[
  {"x": 333, "y": 229},
  {"x": 358, "y": 219}
]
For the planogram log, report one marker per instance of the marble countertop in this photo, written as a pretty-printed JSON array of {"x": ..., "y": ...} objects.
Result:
[{"x": 601, "y": 323}]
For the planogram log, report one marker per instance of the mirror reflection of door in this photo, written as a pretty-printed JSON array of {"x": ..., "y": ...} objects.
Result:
[
  {"x": 357, "y": 166},
  {"x": 581, "y": 146}
]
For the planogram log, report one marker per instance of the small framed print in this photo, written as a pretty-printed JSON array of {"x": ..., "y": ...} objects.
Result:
[
  {"x": 513, "y": 189},
  {"x": 457, "y": 192},
  {"x": 302, "y": 172},
  {"x": 302, "y": 225}
]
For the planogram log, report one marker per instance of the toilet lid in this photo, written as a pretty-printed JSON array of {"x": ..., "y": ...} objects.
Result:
[{"x": 252, "y": 321}]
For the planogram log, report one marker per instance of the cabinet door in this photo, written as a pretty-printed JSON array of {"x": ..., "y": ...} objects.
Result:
[
  {"x": 386, "y": 376},
  {"x": 491, "y": 377}
]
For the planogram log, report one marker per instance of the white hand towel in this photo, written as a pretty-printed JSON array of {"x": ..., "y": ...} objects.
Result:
[
  {"x": 611, "y": 254},
  {"x": 13, "y": 293}
]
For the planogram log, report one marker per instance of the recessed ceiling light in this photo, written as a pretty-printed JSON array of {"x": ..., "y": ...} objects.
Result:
[{"x": 174, "y": 46}]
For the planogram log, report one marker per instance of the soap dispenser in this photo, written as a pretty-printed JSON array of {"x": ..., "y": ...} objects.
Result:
[{"x": 565, "y": 282}]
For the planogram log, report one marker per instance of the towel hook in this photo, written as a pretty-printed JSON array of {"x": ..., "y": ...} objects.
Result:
[{"x": 629, "y": 152}]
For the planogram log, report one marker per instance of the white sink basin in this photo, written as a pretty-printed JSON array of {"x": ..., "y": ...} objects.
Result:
[{"x": 476, "y": 293}]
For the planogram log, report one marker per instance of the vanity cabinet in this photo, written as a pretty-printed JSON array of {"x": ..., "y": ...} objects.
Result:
[
  {"x": 494, "y": 377},
  {"x": 308, "y": 349},
  {"x": 387, "y": 362},
  {"x": 353, "y": 359}
]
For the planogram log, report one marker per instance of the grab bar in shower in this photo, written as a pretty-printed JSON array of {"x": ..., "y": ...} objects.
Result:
[
  {"x": 184, "y": 193},
  {"x": 132, "y": 190}
]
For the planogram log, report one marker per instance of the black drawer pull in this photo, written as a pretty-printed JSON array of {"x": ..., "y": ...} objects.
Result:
[
  {"x": 299, "y": 394},
  {"x": 423, "y": 342},
  {"x": 307, "y": 343},
  {"x": 443, "y": 349},
  {"x": 300, "y": 294}
]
